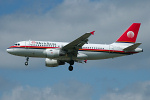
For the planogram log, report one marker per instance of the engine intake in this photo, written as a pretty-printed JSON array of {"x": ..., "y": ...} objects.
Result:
[{"x": 53, "y": 62}]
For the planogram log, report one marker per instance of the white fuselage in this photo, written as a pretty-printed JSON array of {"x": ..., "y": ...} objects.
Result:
[{"x": 43, "y": 49}]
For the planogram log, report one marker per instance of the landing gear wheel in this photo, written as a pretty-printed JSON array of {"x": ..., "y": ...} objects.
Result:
[
  {"x": 70, "y": 68},
  {"x": 27, "y": 59},
  {"x": 26, "y": 63}
]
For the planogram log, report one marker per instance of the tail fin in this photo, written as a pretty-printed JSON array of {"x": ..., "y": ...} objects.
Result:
[{"x": 130, "y": 34}]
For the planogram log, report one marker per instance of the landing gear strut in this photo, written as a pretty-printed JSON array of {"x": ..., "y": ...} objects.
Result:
[
  {"x": 27, "y": 59},
  {"x": 70, "y": 68}
]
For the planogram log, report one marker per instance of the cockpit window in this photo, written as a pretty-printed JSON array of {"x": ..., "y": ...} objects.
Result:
[{"x": 16, "y": 44}]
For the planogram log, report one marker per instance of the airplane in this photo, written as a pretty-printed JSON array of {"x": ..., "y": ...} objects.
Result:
[{"x": 59, "y": 53}]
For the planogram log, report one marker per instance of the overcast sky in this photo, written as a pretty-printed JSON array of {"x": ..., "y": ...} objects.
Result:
[{"x": 125, "y": 78}]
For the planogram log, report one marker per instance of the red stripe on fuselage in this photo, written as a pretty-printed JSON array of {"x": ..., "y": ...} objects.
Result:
[
  {"x": 108, "y": 51},
  {"x": 92, "y": 50}
]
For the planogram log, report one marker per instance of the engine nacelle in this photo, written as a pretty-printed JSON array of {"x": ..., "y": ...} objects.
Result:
[
  {"x": 53, "y": 63},
  {"x": 54, "y": 53}
]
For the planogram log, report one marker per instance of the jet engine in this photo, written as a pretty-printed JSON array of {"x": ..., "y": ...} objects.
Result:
[
  {"x": 53, "y": 63},
  {"x": 54, "y": 53}
]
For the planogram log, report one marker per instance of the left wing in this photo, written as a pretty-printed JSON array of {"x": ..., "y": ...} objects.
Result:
[
  {"x": 132, "y": 47},
  {"x": 73, "y": 47}
]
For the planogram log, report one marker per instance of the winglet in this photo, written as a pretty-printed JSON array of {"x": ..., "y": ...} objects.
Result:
[
  {"x": 92, "y": 32},
  {"x": 85, "y": 61}
]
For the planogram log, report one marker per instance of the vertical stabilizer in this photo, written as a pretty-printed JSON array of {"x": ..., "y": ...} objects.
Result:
[{"x": 130, "y": 34}]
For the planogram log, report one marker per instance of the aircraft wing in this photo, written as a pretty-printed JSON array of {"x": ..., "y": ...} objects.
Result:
[{"x": 74, "y": 46}]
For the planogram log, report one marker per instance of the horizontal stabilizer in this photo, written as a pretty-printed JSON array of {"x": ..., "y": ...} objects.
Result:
[{"x": 132, "y": 47}]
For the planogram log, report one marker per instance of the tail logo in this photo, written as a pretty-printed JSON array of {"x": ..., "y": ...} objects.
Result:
[{"x": 130, "y": 34}]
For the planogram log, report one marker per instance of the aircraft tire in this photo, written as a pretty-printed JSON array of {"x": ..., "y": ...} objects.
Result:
[
  {"x": 26, "y": 63},
  {"x": 70, "y": 68}
]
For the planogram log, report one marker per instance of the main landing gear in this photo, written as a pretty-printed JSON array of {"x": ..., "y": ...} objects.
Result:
[
  {"x": 70, "y": 68},
  {"x": 27, "y": 59}
]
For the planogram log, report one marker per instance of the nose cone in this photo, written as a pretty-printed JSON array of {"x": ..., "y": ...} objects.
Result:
[{"x": 10, "y": 50}]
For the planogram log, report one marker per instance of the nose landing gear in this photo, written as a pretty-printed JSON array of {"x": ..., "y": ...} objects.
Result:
[{"x": 27, "y": 59}]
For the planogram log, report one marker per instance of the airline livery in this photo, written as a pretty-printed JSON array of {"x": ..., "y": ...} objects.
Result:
[{"x": 59, "y": 53}]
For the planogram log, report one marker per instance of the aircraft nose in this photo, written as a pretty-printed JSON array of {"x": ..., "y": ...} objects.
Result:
[{"x": 9, "y": 50}]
